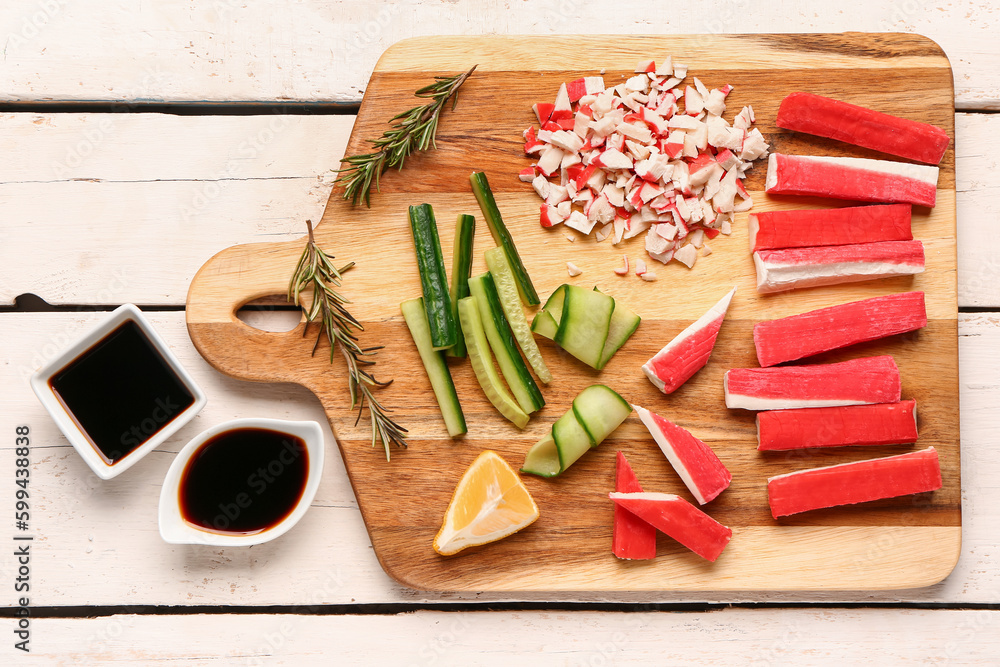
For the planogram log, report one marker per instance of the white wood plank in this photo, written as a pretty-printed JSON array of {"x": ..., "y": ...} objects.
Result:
[
  {"x": 98, "y": 541},
  {"x": 158, "y": 195},
  {"x": 108, "y": 208},
  {"x": 293, "y": 51},
  {"x": 726, "y": 637},
  {"x": 978, "y": 202}
]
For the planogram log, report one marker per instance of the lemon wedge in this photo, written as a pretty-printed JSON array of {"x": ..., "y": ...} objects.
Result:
[{"x": 489, "y": 503}]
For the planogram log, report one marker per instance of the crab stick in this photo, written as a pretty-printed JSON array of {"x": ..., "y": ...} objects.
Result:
[
  {"x": 689, "y": 350},
  {"x": 852, "y": 425},
  {"x": 854, "y": 382},
  {"x": 795, "y": 268},
  {"x": 858, "y": 179},
  {"x": 852, "y": 124},
  {"x": 833, "y": 226},
  {"x": 702, "y": 472},
  {"x": 632, "y": 538},
  {"x": 825, "y": 329},
  {"x": 679, "y": 519},
  {"x": 852, "y": 483}
]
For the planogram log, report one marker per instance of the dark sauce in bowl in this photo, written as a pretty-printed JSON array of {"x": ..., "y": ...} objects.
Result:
[
  {"x": 243, "y": 481},
  {"x": 121, "y": 392}
]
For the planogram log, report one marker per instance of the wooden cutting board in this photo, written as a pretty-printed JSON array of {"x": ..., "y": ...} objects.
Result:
[{"x": 907, "y": 542}]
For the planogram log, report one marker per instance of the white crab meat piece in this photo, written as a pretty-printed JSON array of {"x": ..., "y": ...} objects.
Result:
[
  {"x": 656, "y": 244},
  {"x": 724, "y": 199},
  {"x": 580, "y": 222},
  {"x": 666, "y": 67},
  {"x": 612, "y": 159},
  {"x": 620, "y": 225},
  {"x": 694, "y": 205},
  {"x": 573, "y": 270},
  {"x": 604, "y": 232},
  {"x": 727, "y": 159},
  {"x": 640, "y": 267},
  {"x": 581, "y": 125},
  {"x": 597, "y": 180},
  {"x": 637, "y": 150},
  {"x": 683, "y": 122},
  {"x": 744, "y": 119},
  {"x": 541, "y": 186},
  {"x": 666, "y": 230},
  {"x": 550, "y": 216},
  {"x": 594, "y": 85},
  {"x": 754, "y": 147},
  {"x": 623, "y": 269},
  {"x": 568, "y": 141},
  {"x": 557, "y": 194},
  {"x": 635, "y": 132},
  {"x": 694, "y": 103},
  {"x": 614, "y": 194},
  {"x": 715, "y": 102},
  {"x": 600, "y": 210},
  {"x": 604, "y": 126},
  {"x": 687, "y": 255},
  {"x": 569, "y": 159},
  {"x": 564, "y": 208},
  {"x": 636, "y": 226},
  {"x": 639, "y": 82},
  {"x": 697, "y": 238},
  {"x": 527, "y": 174},
  {"x": 550, "y": 160}
]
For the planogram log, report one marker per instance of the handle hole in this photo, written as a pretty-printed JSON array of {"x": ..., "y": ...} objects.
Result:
[{"x": 270, "y": 313}]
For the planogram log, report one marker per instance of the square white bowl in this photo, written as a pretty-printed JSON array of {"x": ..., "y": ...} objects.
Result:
[{"x": 43, "y": 390}]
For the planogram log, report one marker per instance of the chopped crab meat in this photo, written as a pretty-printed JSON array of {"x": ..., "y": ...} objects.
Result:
[
  {"x": 623, "y": 270},
  {"x": 573, "y": 270}
]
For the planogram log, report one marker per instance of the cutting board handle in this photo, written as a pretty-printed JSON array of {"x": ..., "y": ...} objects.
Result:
[{"x": 225, "y": 283}]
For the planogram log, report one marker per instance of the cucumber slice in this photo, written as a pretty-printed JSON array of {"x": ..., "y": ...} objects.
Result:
[
  {"x": 499, "y": 267},
  {"x": 481, "y": 188},
  {"x": 543, "y": 458},
  {"x": 600, "y": 410},
  {"x": 461, "y": 269},
  {"x": 544, "y": 324},
  {"x": 624, "y": 322},
  {"x": 583, "y": 327},
  {"x": 433, "y": 282},
  {"x": 434, "y": 364},
  {"x": 555, "y": 303},
  {"x": 482, "y": 363},
  {"x": 572, "y": 439},
  {"x": 514, "y": 370}
]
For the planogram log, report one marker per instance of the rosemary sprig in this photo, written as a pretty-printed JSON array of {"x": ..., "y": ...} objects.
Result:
[
  {"x": 316, "y": 270},
  {"x": 415, "y": 130}
]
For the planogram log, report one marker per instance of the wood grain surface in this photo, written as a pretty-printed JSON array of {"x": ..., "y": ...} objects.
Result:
[{"x": 899, "y": 543}]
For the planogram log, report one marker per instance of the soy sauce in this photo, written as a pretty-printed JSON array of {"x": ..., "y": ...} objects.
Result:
[
  {"x": 244, "y": 481},
  {"x": 121, "y": 392}
]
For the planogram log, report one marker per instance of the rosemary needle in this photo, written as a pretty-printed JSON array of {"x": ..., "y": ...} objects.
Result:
[
  {"x": 316, "y": 270},
  {"x": 415, "y": 130}
]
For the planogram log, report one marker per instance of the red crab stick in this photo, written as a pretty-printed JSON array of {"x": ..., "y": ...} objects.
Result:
[
  {"x": 882, "y": 424},
  {"x": 632, "y": 538},
  {"x": 826, "y": 329},
  {"x": 679, "y": 519},
  {"x": 857, "y": 179},
  {"x": 826, "y": 117},
  {"x": 851, "y": 483},
  {"x": 697, "y": 465},
  {"x": 855, "y": 382},
  {"x": 689, "y": 350},
  {"x": 795, "y": 268},
  {"x": 831, "y": 226}
]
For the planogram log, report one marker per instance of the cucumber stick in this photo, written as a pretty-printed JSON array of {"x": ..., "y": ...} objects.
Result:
[
  {"x": 506, "y": 286},
  {"x": 434, "y": 364},
  {"x": 596, "y": 412},
  {"x": 514, "y": 370},
  {"x": 481, "y": 188},
  {"x": 461, "y": 269},
  {"x": 482, "y": 363},
  {"x": 437, "y": 300},
  {"x": 583, "y": 327}
]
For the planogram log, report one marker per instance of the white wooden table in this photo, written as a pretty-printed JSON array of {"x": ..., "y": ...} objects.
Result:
[{"x": 105, "y": 199}]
